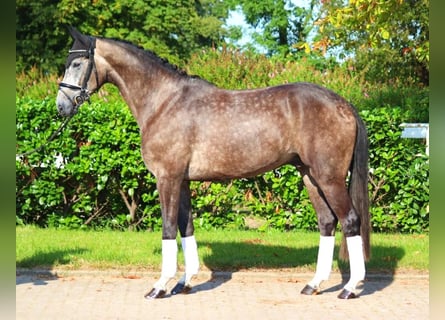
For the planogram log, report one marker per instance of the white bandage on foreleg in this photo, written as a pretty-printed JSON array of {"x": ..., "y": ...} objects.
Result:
[
  {"x": 356, "y": 261},
  {"x": 169, "y": 263},
  {"x": 169, "y": 258},
  {"x": 191, "y": 258},
  {"x": 324, "y": 260}
]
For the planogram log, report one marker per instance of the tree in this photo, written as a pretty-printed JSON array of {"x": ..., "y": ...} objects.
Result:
[
  {"x": 172, "y": 28},
  {"x": 388, "y": 38},
  {"x": 280, "y": 24},
  {"x": 38, "y": 34}
]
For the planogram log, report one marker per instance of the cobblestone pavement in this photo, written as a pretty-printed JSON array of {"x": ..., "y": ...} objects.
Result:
[{"x": 238, "y": 295}]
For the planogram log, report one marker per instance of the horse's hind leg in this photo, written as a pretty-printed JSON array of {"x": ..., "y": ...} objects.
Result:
[
  {"x": 188, "y": 241},
  {"x": 327, "y": 222},
  {"x": 340, "y": 202}
]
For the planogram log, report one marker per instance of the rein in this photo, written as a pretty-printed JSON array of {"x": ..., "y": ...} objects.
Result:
[{"x": 51, "y": 138}]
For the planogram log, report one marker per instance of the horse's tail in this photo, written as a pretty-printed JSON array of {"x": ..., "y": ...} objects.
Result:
[{"x": 358, "y": 188}]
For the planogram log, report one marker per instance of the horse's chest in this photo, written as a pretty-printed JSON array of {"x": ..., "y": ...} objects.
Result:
[{"x": 164, "y": 154}]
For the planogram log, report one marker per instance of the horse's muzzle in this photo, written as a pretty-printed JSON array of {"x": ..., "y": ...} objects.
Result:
[
  {"x": 67, "y": 109},
  {"x": 65, "y": 105}
]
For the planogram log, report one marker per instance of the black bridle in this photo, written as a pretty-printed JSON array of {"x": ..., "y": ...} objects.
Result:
[{"x": 84, "y": 93}]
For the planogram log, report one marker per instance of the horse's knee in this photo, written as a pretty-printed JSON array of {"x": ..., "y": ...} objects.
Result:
[
  {"x": 327, "y": 224},
  {"x": 169, "y": 231},
  {"x": 351, "y": 224}
]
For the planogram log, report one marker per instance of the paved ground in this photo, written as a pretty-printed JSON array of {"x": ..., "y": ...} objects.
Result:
[{"x": 239, "y": 295}]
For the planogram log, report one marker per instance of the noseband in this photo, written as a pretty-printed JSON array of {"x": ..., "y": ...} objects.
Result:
[{"x": 84, "y": 93}]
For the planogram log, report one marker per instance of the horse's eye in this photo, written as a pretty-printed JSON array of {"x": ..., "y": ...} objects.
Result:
[{"x": 76, "y": 65}]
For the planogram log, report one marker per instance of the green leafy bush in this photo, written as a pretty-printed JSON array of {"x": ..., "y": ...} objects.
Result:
[
  {"x": 102, "y": 181},
  {"x": 93, "y": 174},
  {"x": 233, "y": 69},
  {"x": 101, "y": 176},
  {"x": 399, "y": 174}
]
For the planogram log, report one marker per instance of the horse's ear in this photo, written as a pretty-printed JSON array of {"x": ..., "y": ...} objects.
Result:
[
  {"x": 81, "y": 41},
  {"x": 74, "y": 33}
]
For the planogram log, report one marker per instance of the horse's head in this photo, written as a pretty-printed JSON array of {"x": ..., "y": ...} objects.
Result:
[{"x": 79, "y": 80}]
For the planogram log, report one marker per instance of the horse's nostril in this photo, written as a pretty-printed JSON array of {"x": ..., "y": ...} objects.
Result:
[{"x": 61, "y": 109}]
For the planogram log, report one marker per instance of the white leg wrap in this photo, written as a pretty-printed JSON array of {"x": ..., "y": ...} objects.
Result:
[
  {"x": 169, "y": 263},
  {"x": 324, "y": 260},
  {"x": 356, "y": 262},
  {"x": 191, "y": 258}
]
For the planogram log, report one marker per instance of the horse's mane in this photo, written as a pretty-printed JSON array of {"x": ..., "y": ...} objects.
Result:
[{"x": 154, "y": 57}]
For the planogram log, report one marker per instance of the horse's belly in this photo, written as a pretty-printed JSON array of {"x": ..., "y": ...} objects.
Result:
[{"x": 220, "y": 164}]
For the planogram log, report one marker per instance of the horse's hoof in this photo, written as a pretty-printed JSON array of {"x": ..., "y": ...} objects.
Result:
[
  {"x": 181, "y": 288},
  {"x": 310, "y": 291},
  {"x": 155, "y": 294},
  {"x": 346, "y": 294}
]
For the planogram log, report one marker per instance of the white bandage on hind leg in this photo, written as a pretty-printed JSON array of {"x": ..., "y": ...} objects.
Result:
[
  {"x": 169, "y": 262},
  {"x": 356, "y": 262},
  {"x": 191, "y": 258},
  {"x": 324, "y": 260}
]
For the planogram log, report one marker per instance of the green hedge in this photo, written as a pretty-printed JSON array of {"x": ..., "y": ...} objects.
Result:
[
  {"x": 103, "y": 183},
  {"x": 240, "y": 70}
]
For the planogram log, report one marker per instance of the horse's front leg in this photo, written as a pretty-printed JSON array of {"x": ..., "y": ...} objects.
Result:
[
  {"x": 169, "y": 191},
  {"x": 189, "y": 246}
]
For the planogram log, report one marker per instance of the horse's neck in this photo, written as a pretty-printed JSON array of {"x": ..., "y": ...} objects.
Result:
[{"x": 140, "y": 84}]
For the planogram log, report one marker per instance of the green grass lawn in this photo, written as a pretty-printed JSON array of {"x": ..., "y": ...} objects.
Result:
[{"x": 221, "y": 250}]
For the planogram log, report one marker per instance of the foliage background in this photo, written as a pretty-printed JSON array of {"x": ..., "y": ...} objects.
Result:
[
  {"x": 173, "y": 28},
  {"x": 102, "y": 181},
  {"x": 351, "y": 47},
  {"x": 364, "y": 30}
]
